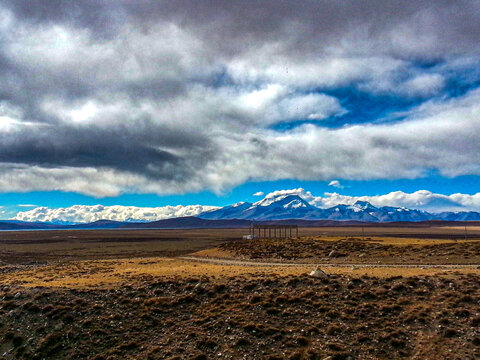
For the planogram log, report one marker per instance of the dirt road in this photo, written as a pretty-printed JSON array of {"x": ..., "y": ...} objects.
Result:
[{"x": 235, "y": 262}]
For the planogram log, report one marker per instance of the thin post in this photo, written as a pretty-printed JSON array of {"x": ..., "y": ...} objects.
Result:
[{"x": 465, "y": 231}]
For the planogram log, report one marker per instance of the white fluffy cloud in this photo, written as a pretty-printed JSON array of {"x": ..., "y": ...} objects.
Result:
[
  {"x": 86, "y": 213},
  {"x": 421, "y": 199},
  {"x": 259, "y": 193},
  {"x": 335, "y": 183},
  {"x": 274, "y": 195}
]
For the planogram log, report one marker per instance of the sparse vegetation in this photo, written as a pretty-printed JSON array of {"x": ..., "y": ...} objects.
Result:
[
  {"x": 133, "y": 321},
  {"x": 151, "y": 308}
]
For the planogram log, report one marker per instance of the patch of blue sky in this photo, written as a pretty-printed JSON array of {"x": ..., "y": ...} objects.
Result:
[
  {"x": 428, "y": 64},
  {"x": 457, "y": 87},
  {"x": 461, "y": 76},
  {"x": 365, "y": 107},
  {"x": 362, "y": 107},
  {"x": 220, "y": 79}
]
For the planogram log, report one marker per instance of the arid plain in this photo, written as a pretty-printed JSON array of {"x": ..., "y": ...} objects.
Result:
[{"x": 389, "y": 293}]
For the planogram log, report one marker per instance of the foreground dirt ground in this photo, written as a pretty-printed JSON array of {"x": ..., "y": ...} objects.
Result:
[{"x": 219, "y": 298}]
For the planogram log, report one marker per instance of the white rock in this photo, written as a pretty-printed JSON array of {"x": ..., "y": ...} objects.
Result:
[{"x": 319, "y": 273}]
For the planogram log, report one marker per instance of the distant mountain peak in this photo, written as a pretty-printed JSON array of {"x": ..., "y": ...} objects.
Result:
[
  {"x": 363, "y": 204},
  {"x": 239, "y": 204},
  {"x": 295, "y": 204},
  {"x": 270, "y": 199}
]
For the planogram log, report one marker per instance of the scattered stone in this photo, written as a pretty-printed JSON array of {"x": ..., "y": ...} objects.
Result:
[{"x": 318, "y": 273}]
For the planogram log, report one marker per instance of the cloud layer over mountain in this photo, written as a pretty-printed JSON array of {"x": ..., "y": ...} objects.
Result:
[
  {"x": 419, "y": 200},
  {"x": 104, "y": 98},
  {"x": 86, "y": 213}
]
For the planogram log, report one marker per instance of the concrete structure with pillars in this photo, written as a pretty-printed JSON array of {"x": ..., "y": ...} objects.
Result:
[{"x": 273, "y": 231}]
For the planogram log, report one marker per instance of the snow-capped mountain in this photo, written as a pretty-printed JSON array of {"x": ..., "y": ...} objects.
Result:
[
  {"x": 459, "y": 216},
  {"x": 292, "y": 206},
  {"x": 283, "y": 207}
]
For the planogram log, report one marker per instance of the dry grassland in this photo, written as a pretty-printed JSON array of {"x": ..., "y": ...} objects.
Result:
[{"x": 129, "y": 295}]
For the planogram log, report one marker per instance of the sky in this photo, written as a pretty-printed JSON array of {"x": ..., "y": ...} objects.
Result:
[{"x": 146, "y": 104}]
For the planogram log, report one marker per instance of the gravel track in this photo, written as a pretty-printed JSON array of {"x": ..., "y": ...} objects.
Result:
[{"x": 234, "y": 262}]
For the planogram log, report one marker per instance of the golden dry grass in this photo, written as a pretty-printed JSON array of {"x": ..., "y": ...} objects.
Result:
[{"x": 111, "y": 273}]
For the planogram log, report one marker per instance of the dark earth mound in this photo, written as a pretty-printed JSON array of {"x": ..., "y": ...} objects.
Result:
[{"x": 355, "y": 250}]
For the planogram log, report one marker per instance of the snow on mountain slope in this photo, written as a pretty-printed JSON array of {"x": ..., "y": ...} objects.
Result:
[
  {"x": 281, "y": 207},
  {"x": 293, "y": 206}
]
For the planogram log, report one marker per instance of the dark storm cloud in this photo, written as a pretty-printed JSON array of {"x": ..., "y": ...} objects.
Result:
[
  {"x": 124, "y": 149},
  {"x": 79, "y": 78},
  {"x": 306, "y": 25},
  {"x": 311, "y": 25},
  {"x": 104, "y": 17}
]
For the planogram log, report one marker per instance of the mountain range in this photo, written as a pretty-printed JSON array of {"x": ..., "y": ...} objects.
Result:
[
  {"x": 286, "y": 208},
  {"x": 291, "y": 206}
]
